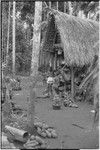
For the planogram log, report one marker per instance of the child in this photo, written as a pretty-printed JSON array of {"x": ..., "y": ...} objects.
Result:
[{"x": 50, "y": 81}]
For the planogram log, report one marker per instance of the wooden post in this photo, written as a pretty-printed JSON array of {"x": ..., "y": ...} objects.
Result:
[
  {"x": 13, "y": 52},
  {"x": 72, "y": 84}
]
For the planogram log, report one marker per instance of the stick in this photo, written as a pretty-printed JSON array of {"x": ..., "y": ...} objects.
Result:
[{"x": 77, "y": 126}]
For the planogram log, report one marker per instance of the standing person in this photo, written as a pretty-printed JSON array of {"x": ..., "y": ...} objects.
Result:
[{"x": 49, "y": 81}]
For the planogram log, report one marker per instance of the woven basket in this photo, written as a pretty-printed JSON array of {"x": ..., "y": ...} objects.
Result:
[{"x": 55, "y": 107}]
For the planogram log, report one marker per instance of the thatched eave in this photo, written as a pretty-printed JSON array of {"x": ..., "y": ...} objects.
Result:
[{"x": 78, "y": 37}]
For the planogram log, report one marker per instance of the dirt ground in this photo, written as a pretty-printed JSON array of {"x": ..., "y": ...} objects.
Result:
[{"x": 73, "y": 125}]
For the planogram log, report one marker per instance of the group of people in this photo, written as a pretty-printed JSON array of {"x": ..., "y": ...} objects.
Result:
[{"x": 56, "y": 82}]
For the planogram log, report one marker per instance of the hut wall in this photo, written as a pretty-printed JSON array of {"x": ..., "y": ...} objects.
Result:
[{"x": 49, "y": 39}]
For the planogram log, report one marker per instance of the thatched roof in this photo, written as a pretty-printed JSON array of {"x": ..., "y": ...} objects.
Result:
[{"x": 78, "y": 37}]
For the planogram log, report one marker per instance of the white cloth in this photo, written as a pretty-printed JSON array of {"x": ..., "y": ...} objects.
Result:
[{"x": 50, "y": 80}]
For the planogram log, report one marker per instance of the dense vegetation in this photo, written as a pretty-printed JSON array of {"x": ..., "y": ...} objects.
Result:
[{"x": 25, "y": 29}]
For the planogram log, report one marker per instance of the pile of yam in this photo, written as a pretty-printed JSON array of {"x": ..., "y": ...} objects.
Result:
[
  {"x": 45, "y": 131},
  {"x": 35, "y": 142}
]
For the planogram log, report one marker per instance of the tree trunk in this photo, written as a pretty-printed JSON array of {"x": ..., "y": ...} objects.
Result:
[
  {"x": 35, "y": 62},
  {"x": 13, "y": 42},
  {"x": 70, "y": 8},
  {"x": 2, "y": 36},
  {"x": 72, "y": 71},
  {"x": 64, "y": 7},
  {"x": 7, "y": 56},
  {"x": 81, "y": 14},
  {"x": 8, "y": 29},
  {"x": 36, "y": 38},
  {"x": 72, "y": 84}
]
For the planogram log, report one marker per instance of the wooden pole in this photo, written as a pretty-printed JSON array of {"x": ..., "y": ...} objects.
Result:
[
  {"x": 72, "y": 84},
  {"x": 13, "y": 52}
]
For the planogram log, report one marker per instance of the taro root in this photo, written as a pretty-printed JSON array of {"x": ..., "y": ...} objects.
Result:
[
  {"x": 40, "y": 141},
  {"x": 43, "y": 134},
  {"x": 45, "y": 131},
  {"x": 31, "y": 143},
  {"x": 54, "y": 135},
  {"x": 32, "y": 137},
  {"x": 39, "y": 130},
  {"x": 50, "y": 129},
  {"x": 48, "y": 134},
  {"x": 38, "y": 124},
  {"x": 45, "y": 126}
]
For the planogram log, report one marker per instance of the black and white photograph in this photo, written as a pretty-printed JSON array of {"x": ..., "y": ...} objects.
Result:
[{"x": 49, "y": 74}]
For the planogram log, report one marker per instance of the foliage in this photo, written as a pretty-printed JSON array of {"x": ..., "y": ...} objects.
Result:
[
  {"x": 23, "y": 47},
  {"x": 24, "y": 36}
]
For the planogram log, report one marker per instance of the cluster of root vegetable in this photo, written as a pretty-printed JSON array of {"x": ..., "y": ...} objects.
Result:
[
  {"x": 44, "y": 131},
  {"x": 35, "y": 142}
]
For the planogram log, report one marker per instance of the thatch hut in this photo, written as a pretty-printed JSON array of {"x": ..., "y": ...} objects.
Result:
[{"x": 74, "y": 36}]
